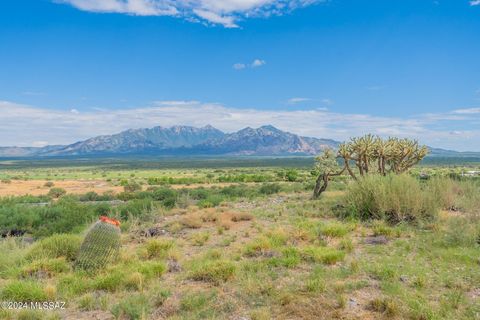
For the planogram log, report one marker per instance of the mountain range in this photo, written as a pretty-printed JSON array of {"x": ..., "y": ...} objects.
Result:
[
  {"x": 184, "y": 140},
  {"x": 189, "y": 141}
]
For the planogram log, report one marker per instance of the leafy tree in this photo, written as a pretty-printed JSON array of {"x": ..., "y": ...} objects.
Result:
[{"x": 326, "y": 166}]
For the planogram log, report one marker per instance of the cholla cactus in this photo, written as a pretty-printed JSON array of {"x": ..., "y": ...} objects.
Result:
[
  {"x": 100, "y": 246},
  {"x": 391, "y": 156},
  {"x": 369, "y": 154}
]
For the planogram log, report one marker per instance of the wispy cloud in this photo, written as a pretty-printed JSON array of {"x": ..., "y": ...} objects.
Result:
[
  {"x": 467, "y": 111},
  {"x": 475, "y": 2},
  {"x": 222, "y": 12},
  {"x": 298, "y": 100},
  {"x": 258, "y": 63},
  {"x": 323, "y": 102},
  {"x": 33, "y": 93},
  {"x": 27, "y": 125},
  {"x": 254, "y": 64},
  {"x": 239, "y": 66}
]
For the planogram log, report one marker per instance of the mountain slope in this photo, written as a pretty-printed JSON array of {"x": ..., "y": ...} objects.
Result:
[
  {"x": 142, "y": 140},
  {"x": 266, "y": 140},
  {"x": 188, "y": 141}
]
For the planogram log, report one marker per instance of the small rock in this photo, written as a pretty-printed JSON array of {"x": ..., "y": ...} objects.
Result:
[
  {"x": 154, "y": 232},
  {"x": 376, "y": 240},
  {"x": 403, "y": 278},
  {"x": 174, "y": 266},
  {"x": 352, "y": 302},
  {"x": 270, "y": 254}
]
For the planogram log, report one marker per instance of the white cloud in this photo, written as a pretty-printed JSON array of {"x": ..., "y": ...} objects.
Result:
[
  {"x": 468, "y": 110},
  {"x": 27, "y": 125},
  {"x": 254, "y": 64},
  {"x": 33, "y": 93},
  {"x": 475, "y": 2},
  {"x": 239, "y": 66},
  {"x": 215, "y": 18},
  {"x": 327, "y": 101},
  {"x": 298, "y": 100},
  {"x": 222, "y": 12},
  {"x": 258, "y": 63}
]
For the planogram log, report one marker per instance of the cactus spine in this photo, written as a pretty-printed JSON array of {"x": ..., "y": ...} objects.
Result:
[{"x": 101, "y": 245}]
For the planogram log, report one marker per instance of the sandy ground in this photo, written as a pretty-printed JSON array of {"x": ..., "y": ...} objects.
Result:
[{"x": 37, "y": 187}]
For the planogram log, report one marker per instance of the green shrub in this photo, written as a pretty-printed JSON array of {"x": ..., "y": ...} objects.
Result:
[
  {"x": 66, "y": 215},
  {"x": 335, "y": 229},
  {"x": 211, "y": 201},
  {"x": 131, "y": 186},
  {"x": 216, "y": 271},
  {"x": 152, "y": 269},
  {"x": 460, "y": 232},
  {"x": 74, "y": 284},
  {"x": 56, "y": 246},
  {"x": 323, "y": 255},
  {"x": 135, "y": 208},
  {"x": 157, "y": 248},
  {"x": 270, "y": 188},
  {"x": 57, "y": 192},
  {"x": 48, "y": 267},
  {"x": 49, "y": 184},
  {"x": 134, "y": 307},
  {"x": 110, "y": 281},
  {"x": 394, "y": 198},
  {"x": 23, "y": 291}
]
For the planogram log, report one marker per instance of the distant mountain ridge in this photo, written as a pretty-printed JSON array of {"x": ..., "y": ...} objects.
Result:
[
  {"x": 185, "y": 140},
  {"x": 188, "y": 141}
]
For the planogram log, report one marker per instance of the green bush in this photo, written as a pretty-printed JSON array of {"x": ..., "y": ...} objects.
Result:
[
  {"x": 132, "y": 186},
  {"x": 49, "y": 267},
  {"x": 211, "y": 201},
  {"x": 270, "y": 188},
  {"x": 57, "y": 192},
  {"x": 394, "y": 198},
  {"x": 135, "y": 208},
  {"x": 460, "y": 232},
  {"x": 134, "y": 307},
  {"x": 23, "y": 291},
  {"x": 323, "y": 255},
  {"x": 215, "y": 271},
  {"x": 63, "y": 216},
  {"x": 56, "y": 246}
]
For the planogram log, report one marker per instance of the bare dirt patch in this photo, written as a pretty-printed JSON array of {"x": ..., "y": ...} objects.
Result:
[{"x": 37, "y": 187}]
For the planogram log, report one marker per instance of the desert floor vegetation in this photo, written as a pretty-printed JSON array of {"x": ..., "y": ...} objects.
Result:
[{"x": 246, "y": 243}]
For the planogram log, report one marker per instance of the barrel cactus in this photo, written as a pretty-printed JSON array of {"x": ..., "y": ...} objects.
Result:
[{"x": 101, "y": 245}]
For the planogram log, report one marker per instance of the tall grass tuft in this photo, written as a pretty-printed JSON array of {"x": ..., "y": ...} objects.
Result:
[{"x": 394, "y": 198}]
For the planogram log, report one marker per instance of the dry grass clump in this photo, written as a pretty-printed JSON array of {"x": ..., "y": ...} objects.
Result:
[
  {"x": 241, "y": 216},
  {"x": 192, "y": 221},
  {"x": 386, "y": 306},
  {"x": 209, "y": 215},
  {"x": 394, "y": 198}
]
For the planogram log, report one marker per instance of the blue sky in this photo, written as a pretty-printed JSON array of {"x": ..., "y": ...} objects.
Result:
[{"x": 71, "y": 69}]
